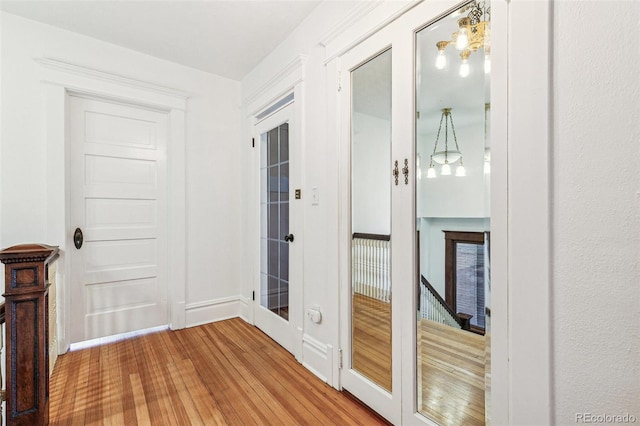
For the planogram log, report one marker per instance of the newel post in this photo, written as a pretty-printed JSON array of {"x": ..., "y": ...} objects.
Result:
[{"x": 26, "y": 275}]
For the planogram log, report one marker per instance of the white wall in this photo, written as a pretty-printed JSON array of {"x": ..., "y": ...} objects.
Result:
[
  {"x": 212, "y": 148},
  {"x": 370, "y": 183},
  {"x": 596, "y": 211}
]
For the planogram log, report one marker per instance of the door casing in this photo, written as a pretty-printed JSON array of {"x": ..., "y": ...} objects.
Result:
[
  {"x": 287, "y": 333},
  {"x": 60, "y": 79}
]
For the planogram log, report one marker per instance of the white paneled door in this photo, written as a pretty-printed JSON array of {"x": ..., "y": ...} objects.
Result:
[{"x": 118, "y": 220}]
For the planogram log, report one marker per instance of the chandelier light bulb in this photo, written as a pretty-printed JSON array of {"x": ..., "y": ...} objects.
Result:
[
  {"x": 446, "y": 169},
  {"x": 487, "y": 64},
  {"x": 441, "y": 60},
  {"x": 460, "y": 171},
  {"x": 431, "y": 172},
  {"x": 462, "y": 41},
  {"x": 464, "y": 68}
]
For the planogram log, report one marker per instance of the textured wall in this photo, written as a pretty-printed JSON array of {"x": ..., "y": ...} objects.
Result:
[{"x": 596, "y": 221}]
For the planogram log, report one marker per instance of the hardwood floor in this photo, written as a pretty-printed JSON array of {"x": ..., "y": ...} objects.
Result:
[
  {"x": 451, "y": 363},
  {"x": 451, "y": 374},
  {"x": 227, "y": 372},
  {"x": 372, "y": 339}
]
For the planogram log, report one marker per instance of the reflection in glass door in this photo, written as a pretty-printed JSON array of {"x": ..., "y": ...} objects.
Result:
[
  {"x": 369, "y": 337},
  {"x": 371, "y": 220},
  {"x": 274, "y": 233},
  {"x": 452, "y": 216}
]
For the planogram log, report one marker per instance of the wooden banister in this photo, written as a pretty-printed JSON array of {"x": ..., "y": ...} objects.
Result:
[
  {"x": 26, "y": 296},
  {"x": 464, "y": 320},
  {"x": 378, "y": 237}
]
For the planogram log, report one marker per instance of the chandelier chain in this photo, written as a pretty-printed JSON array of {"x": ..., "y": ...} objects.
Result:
[
  {"x": 446, "y": 137},
  {"x": 435, "y": 146},
  {"x": 453, "y": 129}
]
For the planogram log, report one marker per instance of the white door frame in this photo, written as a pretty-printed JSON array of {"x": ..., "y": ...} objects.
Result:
[
  {"x": 62, "y": 78},
  {"x": 290, "y": 80}
]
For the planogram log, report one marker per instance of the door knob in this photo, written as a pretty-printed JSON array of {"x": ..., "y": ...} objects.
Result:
[
  {"x": 289, "y": 238},
  {"x": 78, "y": 238}
]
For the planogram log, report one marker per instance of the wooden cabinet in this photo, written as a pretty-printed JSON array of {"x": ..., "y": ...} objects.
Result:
[{"x": 27, "y": 330}]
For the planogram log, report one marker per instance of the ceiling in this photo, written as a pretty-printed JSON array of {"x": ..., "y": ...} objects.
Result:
[{"x": 223, "y": 37}]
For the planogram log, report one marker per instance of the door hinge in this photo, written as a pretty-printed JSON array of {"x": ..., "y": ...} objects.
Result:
[
  {"x": 339, "y": 86},
  {"x": 253, "y": 295},
  {"x": 253, "y": 142},
  {"x": 339, "y": 358}
]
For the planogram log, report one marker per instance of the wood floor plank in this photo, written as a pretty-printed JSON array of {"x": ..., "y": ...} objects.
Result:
[
  {"x": 127, "y": 365},
  {"x": 116, "y": 406},
  {"x": 207, "y": 408},
  {"x": 153, "y": 349},
  {"x": 80, "y": 395},
  {"x": 142, "y": 411}
]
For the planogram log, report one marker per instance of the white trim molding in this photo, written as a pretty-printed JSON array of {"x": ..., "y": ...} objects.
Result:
[
  {"x": 213, "y": 310},
  {"x": 277, "y": 86},
  {"x": 315, "y": 357},
  {"x": 61, "y": 78},
  {"x": 74, "y": 77},
  {"x": 354, "y": 28},
  {"x": 360, "y": 10},
  {"x": 529, "y": 213}
]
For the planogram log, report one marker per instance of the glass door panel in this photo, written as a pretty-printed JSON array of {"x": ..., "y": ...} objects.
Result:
[
  {"x": 453, "y": 65},
  {"x": 278, "y": 306},
  {"x": 274, "y": 172},
  {"x": 371, "y": 220}
]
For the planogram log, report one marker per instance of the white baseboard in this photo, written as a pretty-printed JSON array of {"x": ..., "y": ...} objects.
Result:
[
  {"x": 213, "y": 310},
  {"x": 315, "y": 357}
]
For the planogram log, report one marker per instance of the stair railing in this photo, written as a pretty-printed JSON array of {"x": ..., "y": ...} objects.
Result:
[
  {"x": 371, "y": 271},
  {"x": 434, "y": 308}
]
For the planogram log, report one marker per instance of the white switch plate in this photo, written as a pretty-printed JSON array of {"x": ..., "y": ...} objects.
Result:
[{"x": 315, "y": 196}]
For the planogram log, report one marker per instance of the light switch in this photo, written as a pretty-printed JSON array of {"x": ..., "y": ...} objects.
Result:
[{"x": 315, "y": 196}]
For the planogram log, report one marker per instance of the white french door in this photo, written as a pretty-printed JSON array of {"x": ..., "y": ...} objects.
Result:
[
  {"x": 118, "y": 211},
  {"x": 380, "y": 176},
  {"x": 278, "y": 295}
]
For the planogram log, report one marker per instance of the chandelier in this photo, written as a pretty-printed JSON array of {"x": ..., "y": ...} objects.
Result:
[
  {"x": 446, "y": 157},
  {"x": 473, "y": 33}
]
